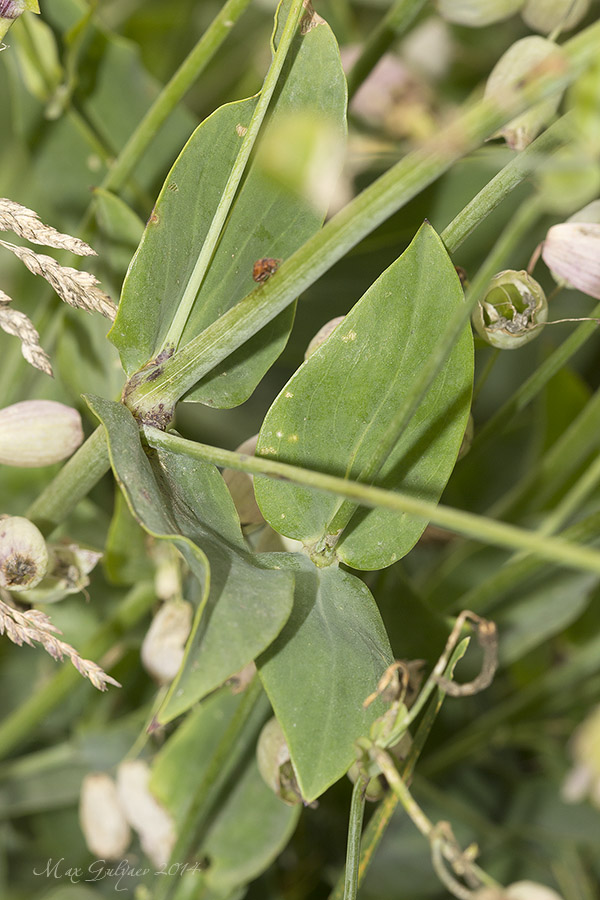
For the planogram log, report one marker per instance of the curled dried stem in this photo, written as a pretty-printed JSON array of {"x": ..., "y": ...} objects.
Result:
[{"x": 487, "y": 637}]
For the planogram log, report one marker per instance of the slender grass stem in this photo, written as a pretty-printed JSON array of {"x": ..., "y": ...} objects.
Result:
[
  {"x": 357, "y": 812},
  {"x": 381, "y": 818},
  {"x": 477, "y": 527},
  {"x": 173, "y": 92}
]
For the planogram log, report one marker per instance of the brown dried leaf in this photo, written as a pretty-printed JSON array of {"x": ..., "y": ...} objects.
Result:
[
  {"x": 76, "y": 288},
  {"x": 26, "y": 223},
  {"x": 16, "y": 323}
]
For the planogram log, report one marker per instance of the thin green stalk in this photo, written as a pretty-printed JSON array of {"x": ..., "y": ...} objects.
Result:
[
  {"x": 385, "y": 196},
  {"x": 219, "y": 768},
  {"x": 470, "y": 524},
  {"x": 77, "y": 477},
  {"x": 395, "y": 22},
  {"x": 508, "y": 178},
  {"x": 538, "y": 485},
  {"x": 173, "y": 92},
  {"x": 16, "y": 726},
  {"x": 194, "y": 283},
  {"x": 486, "y": 594},
  {"x": 357, "y": 812},
  {"x": 514, "y": 232}
]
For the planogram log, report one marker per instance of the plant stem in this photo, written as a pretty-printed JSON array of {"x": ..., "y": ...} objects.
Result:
[
  {"x": 508, "y": 178},
  {"x": 395, "y": 22},
  {"x": 487, "y": 593},
  {"x": 539, "y": 485},
  {"x": 375, "y": 204},
  {"x": 77, "y": 477},
  {"x": 194, "y": 283},
  {"x": 173, "y": 92},
  {"x": 357, "y": 812},
  {"x": 478, "y": 527},
  {"x": 16, "y": 726}
]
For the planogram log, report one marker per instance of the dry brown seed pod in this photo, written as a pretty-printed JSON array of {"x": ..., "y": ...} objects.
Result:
[{"x": 23, "y": 554}]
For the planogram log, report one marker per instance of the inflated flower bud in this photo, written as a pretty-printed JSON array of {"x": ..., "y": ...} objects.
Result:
[
  {"x": 322, "y": 335},
  {"x": 512, "y": 310},
  {"x": 38, "y": 433},
  {"x": 571, "y": 251},
  {"x": 546, "y": 15},
  {"x": 530, "y": 890},
  {"x": 275, "y": 764},
  {"x": 105, "y": 828},
  {"x": 519, "y": 890},
  {"x": 164, "y": 645},
  {"x": 142, "y": 810},
  {"x": 12, "y": 9},
  {"x": 516, "y": 64},
  {"x": 476, "y": 13},
  {"x": 23, "y": 554}
]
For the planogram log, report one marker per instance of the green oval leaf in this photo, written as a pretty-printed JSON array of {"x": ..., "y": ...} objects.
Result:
[
  {"x": 317, "y": 673},
  {"x": 333, "y": 414},
  {"x": 279, "y": 205},
  {"x": 241, "y": 606}
]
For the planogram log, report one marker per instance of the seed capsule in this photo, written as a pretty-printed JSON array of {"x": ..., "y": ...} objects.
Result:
[
  {"x": 275, "y": 764},
  {"x": 546, "y": 15},
  {"x": 38, "y": 433},
  {"x": 163, "y": 647},
  {"x": 512, "y": 311},
  {"x": 23, "y": 554},
  {"x": 102, "y": 820}
]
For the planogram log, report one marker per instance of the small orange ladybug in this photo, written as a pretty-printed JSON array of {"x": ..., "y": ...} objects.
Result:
[{"x": 264, "y": 268}]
